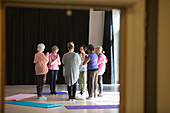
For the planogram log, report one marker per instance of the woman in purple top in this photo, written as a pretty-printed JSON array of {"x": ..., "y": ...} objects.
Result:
[{"x": 92, "y": 71}]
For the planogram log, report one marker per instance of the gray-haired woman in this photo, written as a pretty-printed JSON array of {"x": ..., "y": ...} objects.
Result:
[
  {"x": 54, "y": 62},
  {"x": 41, "y": 69}
]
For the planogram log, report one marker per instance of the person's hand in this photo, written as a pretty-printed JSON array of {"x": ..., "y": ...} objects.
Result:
[
  {"x": 80, "y": 55},
  {"x": 86, "y": 56},
  {"x": 47, "y": 54}
]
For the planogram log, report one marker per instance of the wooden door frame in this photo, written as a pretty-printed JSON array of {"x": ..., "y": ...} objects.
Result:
[{"x": 125, "y": 67}]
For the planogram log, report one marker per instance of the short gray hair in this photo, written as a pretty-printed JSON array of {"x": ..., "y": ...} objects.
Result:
[
  {"x": 40, "y": 46},
  {"x": 55, "y": 48}
]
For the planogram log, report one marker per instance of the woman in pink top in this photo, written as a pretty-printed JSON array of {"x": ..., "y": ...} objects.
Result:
[
  {"x": 54, "y": 62},
  {"x": 102, "y": 60},
  {"x": 41, "y": 69}
]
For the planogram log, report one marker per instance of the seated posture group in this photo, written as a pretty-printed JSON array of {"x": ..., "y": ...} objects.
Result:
[{"x": 78, "y": 67}]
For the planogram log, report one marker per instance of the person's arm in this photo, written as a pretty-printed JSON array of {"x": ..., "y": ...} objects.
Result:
[
  {"x": 79, "y": 60},
  {"x": 35, "y": 59},
  {"x": 86, "y": 60},
  {"x": 81, "y": 56},
  {"x": 58, "y": 59},
  {"x": 106, "y": 60},
  {"x": 100, "y": 60},
  {"x": 45, "y": 57},
  {"x": 52, "y": 61},
  {"x": 63, "y": 59}
]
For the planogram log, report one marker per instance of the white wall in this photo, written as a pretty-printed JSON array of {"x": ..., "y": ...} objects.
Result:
[
  {"x": 96, "y": 27},
  {"x": 163, "y": 83}
]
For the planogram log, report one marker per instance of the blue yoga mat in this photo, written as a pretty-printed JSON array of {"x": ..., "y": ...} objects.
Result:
[
  {"x": 48, "y": 93},
  {"x": 33, "y": 104},
  {"x": 61, "y": 92}
]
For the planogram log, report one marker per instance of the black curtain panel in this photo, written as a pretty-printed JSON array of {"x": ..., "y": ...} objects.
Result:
[
  {"x": 27, "y": 27},
  {"x": 108, "y": 47}
]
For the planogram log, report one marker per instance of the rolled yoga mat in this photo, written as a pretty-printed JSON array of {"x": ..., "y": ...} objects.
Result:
[
  {"x": 93, "y": 107},
  {"x": 19, "y": 97},
  {"x": 33, "y": 104}
]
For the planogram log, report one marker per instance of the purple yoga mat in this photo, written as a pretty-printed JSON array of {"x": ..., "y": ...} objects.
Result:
[
  {"x": 93, "y": 107},
  {"x": 19, "y": 97}
]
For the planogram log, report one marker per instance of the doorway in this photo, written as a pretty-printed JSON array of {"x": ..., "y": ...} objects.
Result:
[
  {"x": 111, "y": 49},
  {"x": 131, "y": 47}
]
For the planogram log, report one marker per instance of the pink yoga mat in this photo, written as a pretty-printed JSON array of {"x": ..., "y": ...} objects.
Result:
[{"x": 19, "y": 97}]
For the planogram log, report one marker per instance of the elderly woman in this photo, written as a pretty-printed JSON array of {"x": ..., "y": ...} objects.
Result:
[
  {"x": 102, "y": 60},
  {"x": 41, "y": 69},
  {"x": 92, "y": 72},
  {"x": 71, "y": 61},
  {"x": 54, "y": 62}
]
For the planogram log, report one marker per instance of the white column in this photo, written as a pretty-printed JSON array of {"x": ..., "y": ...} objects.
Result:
[
  {"x": 96, "y": 27},
  {"x": 116, "y": 30}
]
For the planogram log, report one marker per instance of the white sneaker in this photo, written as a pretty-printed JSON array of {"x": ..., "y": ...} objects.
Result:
[
  {"x": 74, "y": 100},
  {"x": 69, "y": 100}
]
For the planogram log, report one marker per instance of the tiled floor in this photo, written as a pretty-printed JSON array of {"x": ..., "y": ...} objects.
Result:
[{"x": 110, "y": 97}]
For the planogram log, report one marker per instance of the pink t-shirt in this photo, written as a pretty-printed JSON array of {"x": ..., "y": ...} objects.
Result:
[
  {"x": 102, "y": 60},
  {"x": 55, "y": 65},
  {"x": 40, "y": 61}
]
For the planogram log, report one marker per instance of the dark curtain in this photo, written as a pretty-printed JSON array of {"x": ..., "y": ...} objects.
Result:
[
  {"x": 27, "y": 27},
  {"x": 108, "y": 47}
]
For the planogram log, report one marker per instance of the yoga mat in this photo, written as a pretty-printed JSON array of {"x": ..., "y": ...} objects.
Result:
[
  {"x": 33, "y": 104},
  {"x": 62, "y": 92},
  {"x": 93, "y": 107},
  {"x": 44, "y": 93},
  {"x": 48, "y": 93},
  {"x": 19, "y": 97}
]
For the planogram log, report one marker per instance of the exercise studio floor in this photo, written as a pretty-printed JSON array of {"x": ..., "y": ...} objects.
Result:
[{"x": 108, "y": 98}]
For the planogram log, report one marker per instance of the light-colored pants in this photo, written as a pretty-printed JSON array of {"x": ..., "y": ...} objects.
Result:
[{"x": 82, "y": 80}]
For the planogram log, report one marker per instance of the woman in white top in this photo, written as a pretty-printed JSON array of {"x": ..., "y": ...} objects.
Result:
[{"x": 83, "y": 70}]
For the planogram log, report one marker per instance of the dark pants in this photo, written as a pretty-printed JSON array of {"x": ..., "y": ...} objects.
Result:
[
  {"x": 100, "y": 81},
  {"x": 40, "y": 84},
  {"x": 92, "y": 82},
  {"x": 53, "y": 78},
  {"x": 72, "y": 91}
]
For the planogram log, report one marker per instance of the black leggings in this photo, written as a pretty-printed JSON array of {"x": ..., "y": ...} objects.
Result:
[
  {"x": 40, "y": 84},
  {"x": 100, "y": 81},
  {"x": 72, "y": 91}
]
